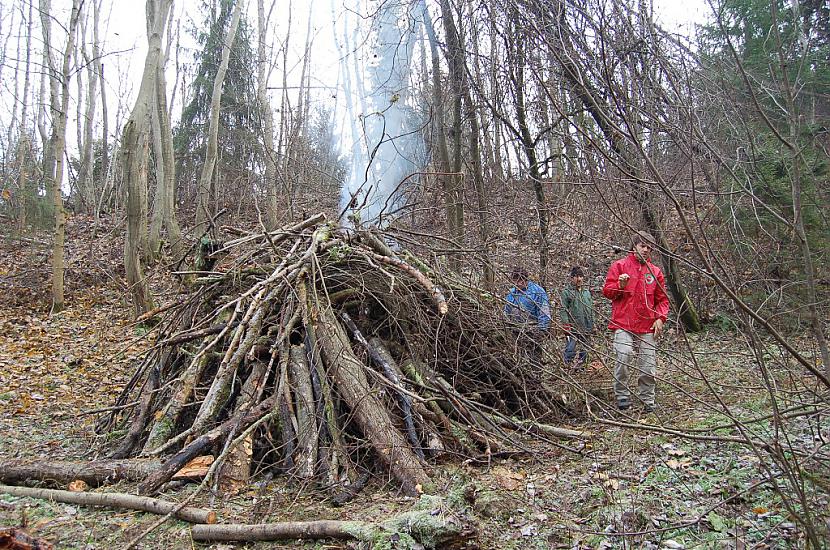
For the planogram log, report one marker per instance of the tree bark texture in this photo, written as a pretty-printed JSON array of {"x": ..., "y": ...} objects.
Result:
[
  {"x": 348, "y": 374},
  {"x": 115, "y": 500},
  {"x": 135, "y": 157},
  {"x": 93, "y": 473}
]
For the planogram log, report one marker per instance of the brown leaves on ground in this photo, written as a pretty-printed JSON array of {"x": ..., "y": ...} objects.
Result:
[{"x": 54, "y": 367}]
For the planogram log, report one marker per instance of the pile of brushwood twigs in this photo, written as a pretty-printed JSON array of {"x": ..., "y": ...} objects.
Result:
[{"x": 318, "y": 352}]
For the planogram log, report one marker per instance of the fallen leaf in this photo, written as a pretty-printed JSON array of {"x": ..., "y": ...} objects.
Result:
[
  {"x": 78, "y": 486},
  {"x": 508, "y": 479}
]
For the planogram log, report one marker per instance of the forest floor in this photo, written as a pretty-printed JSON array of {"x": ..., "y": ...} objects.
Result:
[{"x": 633, "y": 484}]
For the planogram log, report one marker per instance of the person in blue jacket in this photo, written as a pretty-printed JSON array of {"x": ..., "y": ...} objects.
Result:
[
  {"x": 527, "y": 308},
  {"x": 527, "y": 303}
]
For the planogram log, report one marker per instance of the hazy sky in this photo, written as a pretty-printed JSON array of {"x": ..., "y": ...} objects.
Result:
[{"x": 124, "y": 36}]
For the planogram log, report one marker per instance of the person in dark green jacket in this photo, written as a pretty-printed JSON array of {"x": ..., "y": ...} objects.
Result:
[{"x": 577, "y": 315}]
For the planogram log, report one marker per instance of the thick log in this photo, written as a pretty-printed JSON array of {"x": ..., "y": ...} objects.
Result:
[
  {"x": 382, "y": 358},
  {"x": 115, "y": 500},
  {"x": 162, "y": 475},
  {"x": 347, "y": 373},
  {"x": 300, "y": 381},
  {"x": 418, "y": 528},
  {"x": 321, "y": 529},
  {"x": 94, "y": 473}
]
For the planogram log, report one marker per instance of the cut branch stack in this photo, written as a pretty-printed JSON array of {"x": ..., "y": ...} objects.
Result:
[{"x": 318, "y": 352}]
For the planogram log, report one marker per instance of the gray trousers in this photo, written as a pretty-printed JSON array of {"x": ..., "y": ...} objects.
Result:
[{"x": 627, "y": 346}]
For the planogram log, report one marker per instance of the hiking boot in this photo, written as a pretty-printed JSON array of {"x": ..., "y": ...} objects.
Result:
[
  {"x": 623, "y": 405},
  {"x": 649, "y": 408}
]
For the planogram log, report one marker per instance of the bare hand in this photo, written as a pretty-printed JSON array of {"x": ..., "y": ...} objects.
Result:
[
  {"x": 622, "y": 280},
  {"x": 657, "y": 327}
]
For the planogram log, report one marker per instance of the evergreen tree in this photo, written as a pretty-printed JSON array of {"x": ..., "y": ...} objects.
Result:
[
  {"x": 240, "y": 128},
  {"x": 774, "y": 67}
]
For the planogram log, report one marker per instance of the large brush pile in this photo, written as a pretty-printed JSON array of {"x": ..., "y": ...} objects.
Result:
[{"x": 318, "y": 352}]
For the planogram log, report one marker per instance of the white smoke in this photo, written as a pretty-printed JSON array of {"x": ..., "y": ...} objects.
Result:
[{"x": 386, "y": 143}]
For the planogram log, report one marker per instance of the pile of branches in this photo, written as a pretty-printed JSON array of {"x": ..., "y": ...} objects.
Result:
[{"x": 319, "y": 352}]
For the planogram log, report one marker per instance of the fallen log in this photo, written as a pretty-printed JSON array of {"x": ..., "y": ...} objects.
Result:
[
  {"x": 56, "y": 472},
  {"x": 427, "y": 526},
  {"x": 115, "y": 500}
]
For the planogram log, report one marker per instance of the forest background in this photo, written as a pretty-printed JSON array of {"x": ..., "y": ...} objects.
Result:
[{"x": 535, "y": 133}]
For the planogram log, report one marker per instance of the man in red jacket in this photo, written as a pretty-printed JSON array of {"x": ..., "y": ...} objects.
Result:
[{"x": 639, "y": 307}]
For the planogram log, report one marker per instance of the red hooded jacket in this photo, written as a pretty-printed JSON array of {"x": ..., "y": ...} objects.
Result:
[{"x": 644, "y": 299}]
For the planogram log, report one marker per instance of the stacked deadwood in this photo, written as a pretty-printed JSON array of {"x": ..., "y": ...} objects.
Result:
[{"x": 319, "y": 352}]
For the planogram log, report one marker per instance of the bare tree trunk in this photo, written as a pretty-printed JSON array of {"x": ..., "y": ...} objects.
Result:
[
  {"x": 444, "y": 166},
  {"x": 203, "y": 197},
  {"x": 24, "y": 145},
  {"x": 529, "y": 149},
  {"x": 135, "y": 157},
  {"x": 478, "y": 182},
  {"x": 271, "y": 206},
  {"x": 58, "y": 138},
  {"x": 174, "y": 232},
  {"x": 99, "y": 67},
  {"x": 455, "y": 61},
  {"x": 48, "y": 160},
  {"x": 86, "y": 184},
  {"x": 164, "y": 214}
]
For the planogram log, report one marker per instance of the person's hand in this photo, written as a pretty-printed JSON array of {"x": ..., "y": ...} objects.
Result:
[
  {"x": 622, "y": 280},
  {"x": 657, "y": 327}
]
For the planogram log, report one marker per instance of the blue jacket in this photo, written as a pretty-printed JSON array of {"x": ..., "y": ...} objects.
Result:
[{"x": 528, "y": 306}]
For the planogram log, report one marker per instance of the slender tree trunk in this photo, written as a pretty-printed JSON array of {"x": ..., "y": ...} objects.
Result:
[
  {"x": 48, "y": 160},
  {"x": 455, "y": 61},
  {"x": 86, "y": 184},
  {"x": 99, "y": 67},
  {"x": 24, "y": 145},
  {"x": 443, "y": 164},
  {"x": 529, "y": 149},
  {"x": 204, "y": 199},
  {"x": 164, "y": 214},
  {"x": 271, "y": 206},
  {"x": 58, "y": 138}
]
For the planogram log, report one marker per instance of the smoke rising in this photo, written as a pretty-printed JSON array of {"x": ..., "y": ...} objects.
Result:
[{"x": 386, "y": 144}]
